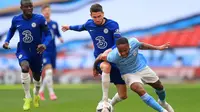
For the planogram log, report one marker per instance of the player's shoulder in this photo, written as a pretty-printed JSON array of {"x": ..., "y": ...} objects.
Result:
[
  {"x": 133, "y": 39},
  {"x": 38, "y": 16},
  {"x": 53, "y": 22},
  {"x": 17, "y": 17},
  {"x": 111, "y": 22},
  {"x": 114, "y": 52},
  {"x": 89, "y": 23}
]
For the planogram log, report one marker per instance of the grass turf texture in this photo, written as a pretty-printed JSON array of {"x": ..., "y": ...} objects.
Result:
[{"x": 84, "y": 98}]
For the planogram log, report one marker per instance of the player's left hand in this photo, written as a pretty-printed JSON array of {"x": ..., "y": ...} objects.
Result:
[
  {"x": 41, "y": 48},
  {"x": 164, "y": 46}
]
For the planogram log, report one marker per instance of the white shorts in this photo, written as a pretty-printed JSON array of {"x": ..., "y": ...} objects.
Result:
[{"x": 147, "y": 75}]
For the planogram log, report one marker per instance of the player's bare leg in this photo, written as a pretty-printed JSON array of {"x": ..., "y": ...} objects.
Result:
[
  {"x": 149, "y": 100},
  {"x": 48, "y": 81},
  {"x": 36, "y": 81},
  {"x": 25, "y": 78},
  {"x": 160, "y": 91},
  {"x": 106, "y": 68},
  {"x": 120, "y": 95}
]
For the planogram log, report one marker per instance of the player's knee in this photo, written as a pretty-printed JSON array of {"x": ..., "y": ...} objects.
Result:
[
  {"x": 137, "y": 87},
  {"x": 36, "y": 76},
  {"x": 25, "y": 69},
  {"x": 158, "y": 85},
  {"x": 106, "y": 67}
]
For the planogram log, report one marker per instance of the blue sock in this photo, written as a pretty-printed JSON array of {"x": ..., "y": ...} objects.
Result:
[
  {"x": 161, "y": 94},
  {"x": 149, "y": 100}
]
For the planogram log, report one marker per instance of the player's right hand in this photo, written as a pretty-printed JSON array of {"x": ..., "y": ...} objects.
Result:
[
  {"x": 6, "y": 45},
  {"x": 41, "y": 48},
  {"x": 95, "y": 72},
  {"x": 65, "y": 28}
]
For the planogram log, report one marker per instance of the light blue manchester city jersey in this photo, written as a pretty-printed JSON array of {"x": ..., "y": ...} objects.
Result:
[{"x": 133, "y": 62}]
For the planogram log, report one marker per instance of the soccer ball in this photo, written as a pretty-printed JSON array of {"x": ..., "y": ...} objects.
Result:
[{"x": 100, "y": 107}]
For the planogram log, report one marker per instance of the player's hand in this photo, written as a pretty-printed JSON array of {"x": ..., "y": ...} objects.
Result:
[
  {"x": 41, "y": 48},
  {"x": 65, "y": 28},
  {"x": 164, "y": 46},
  {"x": 95, "y": 72},
  {"x": 6, "y": 45},
  {"x": 61, "y": 40}
]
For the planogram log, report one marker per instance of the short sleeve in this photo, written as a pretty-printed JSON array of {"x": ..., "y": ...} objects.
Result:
[{"x": 135, "y": 42}]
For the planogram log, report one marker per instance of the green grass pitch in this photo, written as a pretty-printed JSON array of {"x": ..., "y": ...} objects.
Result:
[{"x": 84, "y": 98}]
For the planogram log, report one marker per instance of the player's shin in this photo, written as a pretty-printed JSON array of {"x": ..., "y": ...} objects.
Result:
[
  {"x": 49, "y": 80},
  {"x": 36, "y": 86},
  {"x": 105, "y": 85},
  {"x": 149, "y": 100},
  {"x": 42, "y": 87},
  {"x": 25, "y": 78},
  {"x": 161, "y": 94},
  {"x": 116, "y": 99}
]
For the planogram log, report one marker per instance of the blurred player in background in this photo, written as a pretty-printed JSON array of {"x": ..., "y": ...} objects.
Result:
[
  {"x": 135, "y": 71},
  {"x": 49, "y": 55},
  {"x": 104, "y": 32},
  {"x": 29, "y": 49}
]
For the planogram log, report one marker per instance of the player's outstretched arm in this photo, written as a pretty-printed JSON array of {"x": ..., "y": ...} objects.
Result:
[
  {"x": 74, "y": 28},
  {"x": 10, "y": 34},
  {"x": 145, "y": 46}
]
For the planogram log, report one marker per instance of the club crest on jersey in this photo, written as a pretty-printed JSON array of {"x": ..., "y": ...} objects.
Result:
[
  {"x": 54, "y": 26},
  {"x": 135, "y": 53},
  {"x": 33, "y": 25},
  {"x": 105, "y": 30}
]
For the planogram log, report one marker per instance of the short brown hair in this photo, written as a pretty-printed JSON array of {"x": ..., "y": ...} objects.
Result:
[
  {"x": 96, "y": 8},
  {"x": 45, "y": 6}
]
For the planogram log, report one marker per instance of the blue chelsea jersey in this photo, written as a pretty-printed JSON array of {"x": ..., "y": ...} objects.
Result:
[
  {"x": 54, "y": 29},
  {"x": 103, "y": 36},
  {"x": 30, "y": 32}
]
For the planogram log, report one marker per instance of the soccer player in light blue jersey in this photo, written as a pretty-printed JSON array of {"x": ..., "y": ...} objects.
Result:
[
  {"x": 135, "y": 72},
  {"x": 104, "y": 32},
  {"x": 49, "y": 55},
  {"x": 29, "y": 48}
]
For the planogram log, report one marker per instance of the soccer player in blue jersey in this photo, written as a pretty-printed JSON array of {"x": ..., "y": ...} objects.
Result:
[
  {"x": 104, "y": 32},
  {"x": 49, "y": 55},
  {"x": 29, "y": 48},
  {"x": 135, "y": 72}
]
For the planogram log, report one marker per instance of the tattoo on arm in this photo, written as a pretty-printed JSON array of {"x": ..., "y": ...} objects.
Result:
[{"x": 145, "y": 46}]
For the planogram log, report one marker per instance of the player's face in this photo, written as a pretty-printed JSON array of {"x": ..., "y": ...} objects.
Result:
[
  {"x": 97, "y": 17},
  {"x": 46, "y": 12},
  {"x": 27, "y": 9},
  {"x": 123, "y": 50}
]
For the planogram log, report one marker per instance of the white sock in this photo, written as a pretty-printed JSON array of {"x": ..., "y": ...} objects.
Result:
[
  {"x": 26, "y": 80},
  {"x": 42, "y": 86},
  {"x": 49, "y": 80},
  {"x": 115, "y": 99},
  {"x": 36, "y": 86},
  {"x": 105, "y": 85}
]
